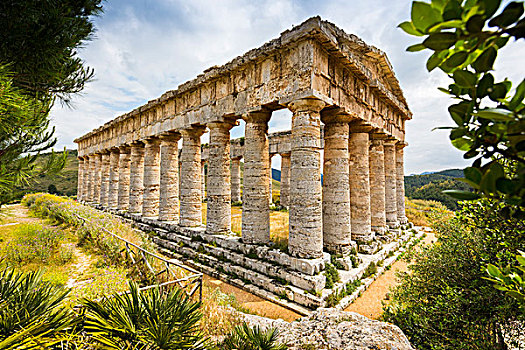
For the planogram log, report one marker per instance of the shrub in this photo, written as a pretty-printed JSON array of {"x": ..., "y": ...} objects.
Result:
[
  {"x": 370, "y": 270},
  {"x": 332, "y": 276},
  {"x": 245, "y": 338}
]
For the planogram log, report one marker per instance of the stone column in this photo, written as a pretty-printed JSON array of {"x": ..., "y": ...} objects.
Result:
[
  {"x": 80, "y": 179},
  {"x": 255, "y": 208},
  {"x": 169, "y": 178},
  {"x": 270, "y": 190},
  {"x": 113, "y": 178},
  {"x": 190, "y": 173},
  {"x": 306, "y": 217},
  {"x": 97, "y": 179},
  {"x": 400, "y": 183},
  {"x": 136, "y": 185},
  {"x": 390, "y": 184},
  {"x": 104, "y": 187},
  {"x": 236, "y": 179},
  {"x": 377, "y": 184},
  {"x": 285, "y": 180},
  {"x": 360, "y": 185},
  {"x": 337, "y": 236},
  {"x": 90, "y": 178},
  {"x": 218, "y": 215},
  {"x": 124, "y": 177},
  {"x": 203, "y": 180},
  {"x": 150, "y": 202}
]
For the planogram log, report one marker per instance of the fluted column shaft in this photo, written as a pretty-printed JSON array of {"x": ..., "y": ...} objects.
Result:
[
  {"x": 306, "y": 217},
  {"x": 136, "y": 186},
  {"x": 218, "y": 215},
  {"x": 113, "y": 178},
  {"x": 400, "y": 183},
  {"x": 377, "y": 186},
  {"x": 124, "y": 178},
  {"x": 255, "y": 208},
  {"x": 390, "y": 184},
  {"x": 97, "y": 177},
  {"x": 336, "y": 195},
  {"x": 190, "y": 172},
  {"x": 203, "y": 180},
  {"x": 360, "y": 186},
  {"x": 104, "y": 187},
  {"x": 236, "y": 179},
  {"x": 91, "y": 178},
  {"x": 285, "y": 180},
  {"x": 150, "y": 203},
  {"x": 169, "y": 178},
  {"x": 80, "y": 178}
]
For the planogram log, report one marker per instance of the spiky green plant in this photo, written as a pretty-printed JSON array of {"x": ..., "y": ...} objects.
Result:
[{"x": 244, "y": 337}]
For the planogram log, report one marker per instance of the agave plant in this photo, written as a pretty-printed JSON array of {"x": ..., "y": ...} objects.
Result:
[
  {"x": 245, "y": 338},
  {"x": 145, "y": 320},
  {"x": 32, "y": 315}
]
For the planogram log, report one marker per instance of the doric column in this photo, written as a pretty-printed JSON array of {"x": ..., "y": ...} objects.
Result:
[
  {"x": 80, "y": 179},
  {"x": 203, "y": 180},
  {"x": 255, "y": 208},
  {"x": 97, "y": 179},
  {"x": 136, "y": 185},
  {"x": 337, "y": 236},
  {"x": 377, "y": 184},
  {"x": 285, "y": 180},
  {"x": 190, "y": 173},
  {"x": 236, "y": 179},
  {"x": 360, "y": 184},
  {"x": 90, "y": 178},
  {"x": 150, "y": 202},
  {"x": 400, "y": 183},
  {"x": 218, "y": 215},
  {"x": 390, "y": 184},
  {"x": 104, "y": 183},
  {"x": 114, "y": 157},
  {"x": 124, "y": 177},
  {"x": 169, "y": 178},
  {"x": 270, "y": 190},
  {"x": 306, "y": 217}
]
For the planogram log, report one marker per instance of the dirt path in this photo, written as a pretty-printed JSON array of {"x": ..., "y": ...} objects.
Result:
[
  {"x": 84, "y": 261},
  {"x": 369, "y": 304},
  {"x": 16, "y": 214}
]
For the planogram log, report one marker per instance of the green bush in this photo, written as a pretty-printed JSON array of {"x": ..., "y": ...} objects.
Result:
[
  {"x": 332, "y": 276},
  {"x": 245, "y": 338}
]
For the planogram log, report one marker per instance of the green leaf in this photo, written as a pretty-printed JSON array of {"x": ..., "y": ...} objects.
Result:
[
  {"x": 490, "y": 7},
  {"x": 455, "y": 23},
  {"x": 409, "y": 28},
  {"x": 494, "y": 271},
  {"x": 495, "y": 114},
  {"x": 510, "y": 14},
  {"x": 518, "y": 96},
  {"x": 521, "y": 259},
  {"x": 438, "y": 4},
  {"x": 485, "y": 61},
  {"x": 462, "y": 144},
  {"x": 416, "y": 47},
  {"x": 456, "y": 133},
  {"x": 505, "y": 185},
  {"x": 462, "y": 195},
  {"x": 456, "y": 59},
  {"x": 423, "y": 16},
  {"x": 440, "y": 41},
  {"x": 473, "y": 174},
  {"x": 464, "y": 78},
  {"x": 475, "y": 24},
  {"x": 434, "y": 61},
  {"x": 458, "y": 112},
  {"x": 499, "y": 91},
  {"x": 484, "y": 85},
  {"x": 452, "y": 10}
]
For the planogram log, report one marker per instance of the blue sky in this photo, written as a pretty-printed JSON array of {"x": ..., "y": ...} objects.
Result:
[{"x": 143, "y": 48}]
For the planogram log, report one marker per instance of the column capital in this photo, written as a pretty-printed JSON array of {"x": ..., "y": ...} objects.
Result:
[
  {"x": 401, "y": 144},
  {"x": 114, "y": 150},
  {"x": 358, "y": 126},
  {"x": 390, "y": 142},
  {"x": 81, "y": 158},
  {"x": 260, "y": 116},
  {"x": 194, "y": 131},
  {"x": 170, "y": 137},
  {"x": 306, "y": 104},
  {"x": 285, "y": 154},
  {"x": 225, "y": 125},
  {"x": 336, "y": 115},
  {"x": 153, "y": 141},
  {"x": 137, "y": 144}
]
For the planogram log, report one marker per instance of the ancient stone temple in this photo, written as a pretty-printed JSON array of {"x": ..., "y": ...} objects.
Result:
[{"x": 344, "y": 99}]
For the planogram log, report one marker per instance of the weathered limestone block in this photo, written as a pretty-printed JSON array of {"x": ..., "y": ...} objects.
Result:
[
  {"x": 91, "y": 178},
  {"x": 360, "y": 186},
  {"x": 218, "y": 214},
  {"x": 81, "y": 182},
  {"x": 136, "y": 186},
  {"x": 169, "y": 178},
  {"x": 400, "y": 183},
  {"x": 124, "y": 177},
  {"x": 377, "y": 185},
  {"x": 390, "y": 184},
  {"x": 236, "y": 179},
  {"x": 285, "y": 180},
  {"x": 114, "y": 157},
  {"x": 150, "y": 203},
  {"x": 336, "y": 195},
  {"x": 306, "y": 217},
  {"x": 97, "y": 177},
  {"x": 190, "y": 173},
  {"x": 255, "y": 208}
]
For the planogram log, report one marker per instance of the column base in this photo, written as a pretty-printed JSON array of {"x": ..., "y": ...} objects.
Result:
[
  {"x": 341, "y": 249},
  {"x": 393, "y": 224},
  {"x": 380, "y": 230}
]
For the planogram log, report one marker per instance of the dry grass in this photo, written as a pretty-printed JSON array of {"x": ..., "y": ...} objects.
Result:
[{"x": 422, "y": 212}]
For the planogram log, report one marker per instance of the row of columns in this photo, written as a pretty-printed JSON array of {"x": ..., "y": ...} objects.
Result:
[{"x": 362, "y": 192}]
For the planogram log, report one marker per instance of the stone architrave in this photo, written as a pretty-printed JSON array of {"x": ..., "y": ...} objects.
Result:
[
  {"x": 150, "y": 203},
  {"x": 123, "y": 178},
  {"x": 190, "y": 173},
  {"x": 285, "y": 180},
  {"x": 80, "y": 184},
  {"x": 360, "y": 185},
  {"x": 114, "y": 157},
  {"x": 390, "y": 184},
  {"x": 236, "y": 179},
  {"x": 218, "y": 214},
  {"x": 377, "y": 184},
  {"x": 169, "y": 178},
  {"x": 255, "y": 207},
  {"x": 337, "y": 236},
  {"x": 136, "y": 185},
  {"x": 305, "y": 214},
  {"x": 97, "y": 178},
  {"x": 400, "y": 183}
]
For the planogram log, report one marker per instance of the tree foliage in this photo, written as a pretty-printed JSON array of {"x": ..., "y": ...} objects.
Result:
[{"x": 465, "y": 37}]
